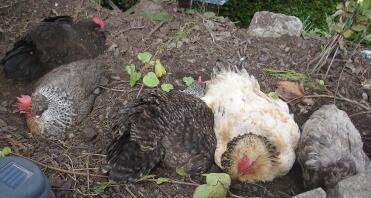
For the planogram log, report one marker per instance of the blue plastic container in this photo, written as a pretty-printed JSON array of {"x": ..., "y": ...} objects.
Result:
[{"x": 21, "y": 178}]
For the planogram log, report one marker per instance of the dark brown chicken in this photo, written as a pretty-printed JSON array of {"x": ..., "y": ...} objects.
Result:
[
  {"x": 51, "y": 43},
  {"x": 330, "y": 149},
  {"x": 174, "y": 128}
]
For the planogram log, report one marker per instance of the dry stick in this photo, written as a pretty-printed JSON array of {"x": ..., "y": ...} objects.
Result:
[
  {"x": 87, "y": 172},
  {"x": 58, "y": 169},
  {"x": 332, "y": 97},
  {"x": 329, "y": 67},
  {"x": 113, "y": 89},
  {"x": 155, "y": 29},
  {"x": 326, "y": 53},
  {"x": 113, "y": 6},
  {"x": 360, "y": 113},
  {"x": 129, "y": 191},
  {"x": 73, "y": 169},
  {"x": 173, "y": 182},
  {"x": 127, "y": 29}
]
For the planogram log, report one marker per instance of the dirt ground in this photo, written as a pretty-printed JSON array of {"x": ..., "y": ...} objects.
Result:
[{"x": 194, "y": 54}]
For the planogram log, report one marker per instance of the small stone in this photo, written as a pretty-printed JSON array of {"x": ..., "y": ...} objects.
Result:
[
  {"x": 287, "y": 49},
  {"x": 364, "y": 96},
  {"x": 316, "y": 193},
  {"x": 357, "y": 186},
  {"x": 89, "y": 134},
  {"x": 115, "y": 77}
]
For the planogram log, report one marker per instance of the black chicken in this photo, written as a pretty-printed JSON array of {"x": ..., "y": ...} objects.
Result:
[
  {"x": 174, "y": 128},
  {"x": 53, "y": 42}
]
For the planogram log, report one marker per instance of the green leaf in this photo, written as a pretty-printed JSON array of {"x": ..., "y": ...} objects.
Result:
[
  {"x": 156, "y": 15},
  {"x": 209, "y": 15},
  {"x": 167, "y": 87},
  {"x": 321, "y": 82},
  {"x": 159, "y": 69},
  {"x": 101, "y": 186},
  {"x": 368, "y": 37},
  {"x": 286, "y": 74},
  {"x": 145, "y": 57},
  {"x": 130, "y": 68},
  {"x": 151, "y": 80},
  {"x": 180, "y": 171},
  {"x": 273, "y": 95},
  {"x": 146, "y": 177},
  {"x": 215, "y": 178},
  {"x": 161, "y": 180},
  {"x": 359, "y": 28},
  {"x": 188, "y": 80},
  {"x": 348, "y": 33},
  {"x": 207, "y": 191},
  {"x": 190, "y": 11},
  {"x": 348, "y": 22},
  {"x": 5, "y": 151},
  {"x": 134, "y": 77}
]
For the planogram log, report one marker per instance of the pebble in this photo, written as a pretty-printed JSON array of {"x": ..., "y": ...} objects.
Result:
[
  {"x": 364, "y": 96},
  {"x": 89, "y": 134}
]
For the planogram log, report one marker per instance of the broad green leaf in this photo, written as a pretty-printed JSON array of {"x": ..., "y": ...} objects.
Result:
[
  {"x": 207, "y": 191},
  {"x": 359, "y": 28},
  {"x": 167, "y": 87},
  {"x": 209, "y": 15},
  {"x": 5, "y": 151},
  {"x": 273, "y": 95},
  {"x": 130, "y": 68},
  {"x": 156, "y": 15},
  {"x": 101, "y": 186},
  {"x": 188, "y": 80},
  {"x": 348, "y": 33},
  {"x": 214, "y": 178},
  {"x": 145, "y": 57},
  {"x": 368, "y": 37},
  {"x": 161, "y": 180},
  {"x": 134, "y": 77},
  {"x": 180, "y": 171},
  {"x": 151, "y": 80},
  {"x": 159, "y": 69}
]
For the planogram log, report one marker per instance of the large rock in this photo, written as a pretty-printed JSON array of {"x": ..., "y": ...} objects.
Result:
[
  {"x": 269, "y": 24},
  {"x": 315, "y": 193},
  {"x": 357, "y": 186}
]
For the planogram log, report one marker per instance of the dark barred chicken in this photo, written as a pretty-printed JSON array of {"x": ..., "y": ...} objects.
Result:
[
  {"x": 62, "y": 98},
  {"x": 53, "y": 42},
  {"x": 174, "y": 128},
  {"x": 330, "y": 149}
]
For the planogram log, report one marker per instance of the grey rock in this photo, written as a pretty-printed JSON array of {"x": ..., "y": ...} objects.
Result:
[
  {"x": 269, "y": 24},
  {"x": 357, "y": 186},
  {"x": 315, "y": 193}
]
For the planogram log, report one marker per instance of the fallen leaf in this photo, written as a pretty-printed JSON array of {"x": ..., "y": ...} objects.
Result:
[{"x": 289, "y": 90}]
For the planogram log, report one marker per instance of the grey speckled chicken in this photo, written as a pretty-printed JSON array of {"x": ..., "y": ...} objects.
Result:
[
  {"x": 330, "y": 149},
  {"x": 62, "y": 98},
  {"x": 174, "y": 128}
]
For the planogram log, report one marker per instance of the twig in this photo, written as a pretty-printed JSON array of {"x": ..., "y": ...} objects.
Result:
[
  {"x": 332, "y": 97},
  {"x": 113, "y": 89},
  {"x": 129, "y": 191},
  {"x": 235, "y": 196},
  {"x": 163, "y": 191},
  {"x": 210, "y": 32},
  {"x": 58, "y": 169},
  {"x": 360, "y": 113},
  {"x": 141, "y": 87},
  {"x": 78, "y": 9},
  {"x": 113, "y": 6},
  {"x": 155, "y": 29},
  {"x": 73, "y": 170},
  {"x": 88, "y": 173},
  {"x": 329, "y": 67},
  {"x": 172, "y": 181},
  {"x": 127, "y": 29}
]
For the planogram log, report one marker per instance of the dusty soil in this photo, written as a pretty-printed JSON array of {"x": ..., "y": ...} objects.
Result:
[{"x": 194, "y": 54}]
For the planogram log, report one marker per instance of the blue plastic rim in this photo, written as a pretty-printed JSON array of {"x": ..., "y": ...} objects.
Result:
[{"x": 21, "y": 178}]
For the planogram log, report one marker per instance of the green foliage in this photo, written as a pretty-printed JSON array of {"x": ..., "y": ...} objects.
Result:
[
  {"x": 161, "y": 180},
  {"x": 273, "y": 95},
  {"x": 159, "y": 69},
  {"x": 167, "y": 87},
  {"x": 286, "y": 74},
  {"x": 217, "y": 185},
  {"x": 145, "y": 57},
  {"x": 101, "y": 186},
  {"x": 188, "y": 80},
  {"x": 180, "y": 171},
  {"x": 5, "y": 151},
  {"x": 209, "y": 15},
  {"x": 134, "y": 76},
  {"x": 151, "y": 80}
]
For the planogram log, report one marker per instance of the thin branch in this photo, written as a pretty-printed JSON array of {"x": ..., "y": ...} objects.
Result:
[
  {"x": 113, "y": 6},
  {"x": 155, "y": 29},
  {"x": 360, "y": 113},
  {"x": 127, "y": 29},
  {"x": 129, "y": 191},
  {"x": 329, "y": 67},
  {"x": 113, "y": 89}
]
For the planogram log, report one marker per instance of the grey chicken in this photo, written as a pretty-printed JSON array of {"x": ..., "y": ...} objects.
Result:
[
  {"x": 330, "y": 149},
  {"x": 174, "y": 128},
  {"x": 62, "y": 98},
  {"x": 53, "y": 42}
]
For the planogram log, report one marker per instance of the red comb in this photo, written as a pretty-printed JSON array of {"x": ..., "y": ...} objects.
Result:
[
  {"x": 24, "y": 103},
  {"x": 98, "y": 21}
]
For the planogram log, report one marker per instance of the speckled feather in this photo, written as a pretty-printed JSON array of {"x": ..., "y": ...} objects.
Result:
[
  {"x": 174, "y": 128},
  {"x": 330, "y": 148},
  {"x": 68, "y": 91}
]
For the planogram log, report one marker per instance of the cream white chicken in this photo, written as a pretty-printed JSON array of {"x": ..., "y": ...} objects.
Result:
[{"x": 256, "y": 135}]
